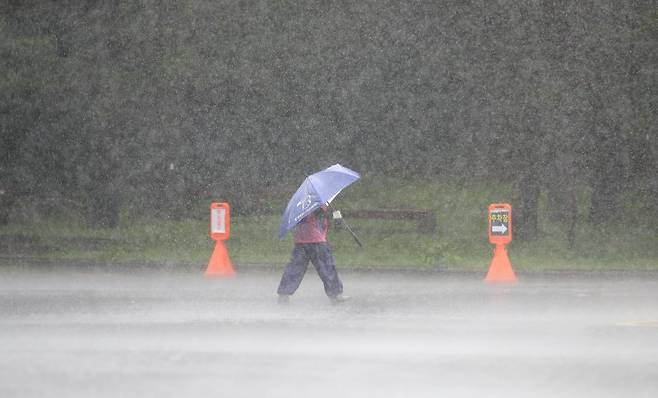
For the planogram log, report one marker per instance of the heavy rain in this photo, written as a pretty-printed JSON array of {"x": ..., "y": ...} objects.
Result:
[{"x": 328, "y": 198}]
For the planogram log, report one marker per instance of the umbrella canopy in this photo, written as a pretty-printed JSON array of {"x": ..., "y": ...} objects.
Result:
[{"x": 317, "y": 189}]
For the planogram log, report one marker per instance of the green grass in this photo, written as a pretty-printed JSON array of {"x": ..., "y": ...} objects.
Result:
[{"x": 460, "y": 243}]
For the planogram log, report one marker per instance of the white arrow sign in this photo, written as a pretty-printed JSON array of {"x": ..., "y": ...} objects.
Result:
[{"x": 499, "y": 228}]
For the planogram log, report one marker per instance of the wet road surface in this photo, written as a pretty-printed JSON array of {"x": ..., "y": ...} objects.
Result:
[{"x": 80, "y": 333}]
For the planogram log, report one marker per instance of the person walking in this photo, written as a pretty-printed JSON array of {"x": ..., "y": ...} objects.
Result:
[{"x": 310, "y": 237}]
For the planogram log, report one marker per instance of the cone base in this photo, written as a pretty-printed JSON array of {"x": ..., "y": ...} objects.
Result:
[
  {"x": 217, "y": 275},
  {"x": 500, "y": 270},
  {"x": 220, "y": 265}
]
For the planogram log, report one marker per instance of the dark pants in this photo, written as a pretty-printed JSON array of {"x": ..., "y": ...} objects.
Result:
[{"x": 323, "y": 261}]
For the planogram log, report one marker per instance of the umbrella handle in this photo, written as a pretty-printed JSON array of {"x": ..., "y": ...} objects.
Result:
[
  {"x": 343, "y": 222},
  {"x": 358, "y": 242},
  {"x": 356, "y": 239}
]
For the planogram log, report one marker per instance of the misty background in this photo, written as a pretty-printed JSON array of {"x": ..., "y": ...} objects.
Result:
[{"x": 114, "y": 108}]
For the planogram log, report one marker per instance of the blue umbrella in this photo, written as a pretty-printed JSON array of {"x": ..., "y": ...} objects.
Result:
[{"x": 317, "y": 189}]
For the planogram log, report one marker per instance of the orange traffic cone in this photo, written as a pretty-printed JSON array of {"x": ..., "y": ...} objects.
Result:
[
  {"x": 500, "y": 269},
  {"x": 220, "y": 264}
]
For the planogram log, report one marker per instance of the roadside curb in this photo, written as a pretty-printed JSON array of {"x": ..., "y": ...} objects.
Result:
[{"x": 15, "y": 262}]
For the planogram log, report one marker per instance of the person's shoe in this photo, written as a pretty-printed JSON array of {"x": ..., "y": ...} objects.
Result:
[
  {"x": 283, "y": 299},
  {"x": 339, "y": 298}
]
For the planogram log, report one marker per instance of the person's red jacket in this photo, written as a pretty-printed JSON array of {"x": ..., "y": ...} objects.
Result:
[{"x": 313, "y": 228}]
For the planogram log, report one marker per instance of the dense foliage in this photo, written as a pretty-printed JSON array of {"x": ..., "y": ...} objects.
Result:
[{"x": 144, "y": 106}]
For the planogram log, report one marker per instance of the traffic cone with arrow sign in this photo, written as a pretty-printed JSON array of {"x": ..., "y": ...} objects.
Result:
[
  {"x": 500, "y": 234},
  {"x": 220, "y": 265}
]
